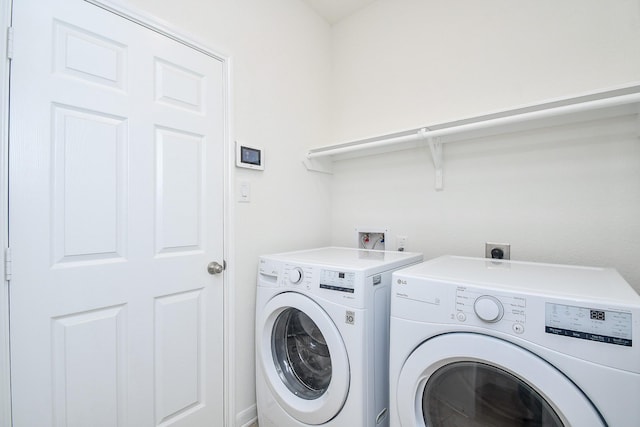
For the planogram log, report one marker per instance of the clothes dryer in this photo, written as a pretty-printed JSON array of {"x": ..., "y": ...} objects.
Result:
[
  {"x": 479, "y": 342},
  {"x": 322, "y": 337}
]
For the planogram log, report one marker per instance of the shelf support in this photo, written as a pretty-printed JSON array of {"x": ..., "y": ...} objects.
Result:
[
  {"x": 435, "y": 146},
  {"x": 318, "y": 165}
]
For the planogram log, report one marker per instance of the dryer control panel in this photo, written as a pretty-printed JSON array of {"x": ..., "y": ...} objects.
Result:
[
  {"x": 600, "y": 332},
  {"x": 588, "y": 313},
  {"x": 491, "y": 308},
  {"x": 509, "y": 307},
  {"x": 606, "y": 326}
]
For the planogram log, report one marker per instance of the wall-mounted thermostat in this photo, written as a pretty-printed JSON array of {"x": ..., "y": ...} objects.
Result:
[{"x": 249, "y": 157}]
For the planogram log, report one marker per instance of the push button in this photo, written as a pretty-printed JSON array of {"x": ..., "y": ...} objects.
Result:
[{"x": 518, "y": 328}]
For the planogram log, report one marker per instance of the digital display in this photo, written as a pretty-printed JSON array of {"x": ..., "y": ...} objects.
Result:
[
  {"x": 337, "y": 281},
  {"x": 605, "y": 326},
  {"x": 250, "y": 155}
]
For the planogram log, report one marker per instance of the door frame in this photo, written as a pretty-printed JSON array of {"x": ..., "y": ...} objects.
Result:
[
  {"x": 150, "y": 22},
  {"x": 5, "y": 373}
]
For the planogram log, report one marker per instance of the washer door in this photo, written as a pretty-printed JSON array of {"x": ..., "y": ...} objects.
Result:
[
  {"x": 463, "y": 379},
  {"x": 303, "y": 358}
]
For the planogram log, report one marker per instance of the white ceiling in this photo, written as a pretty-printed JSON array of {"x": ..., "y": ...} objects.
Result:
[{"x": 336, "y": 10}]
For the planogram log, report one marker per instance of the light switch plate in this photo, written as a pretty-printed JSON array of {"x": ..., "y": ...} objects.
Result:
[{"x": 244, "y": 192}]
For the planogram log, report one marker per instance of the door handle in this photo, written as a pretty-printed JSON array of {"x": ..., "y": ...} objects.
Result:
[{"x": 216, "y": 268}]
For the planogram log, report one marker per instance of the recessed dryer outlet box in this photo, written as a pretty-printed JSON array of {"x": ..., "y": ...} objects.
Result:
[
  {"x": 497, "y": 250},
  {"x": 371, "y": 238}
]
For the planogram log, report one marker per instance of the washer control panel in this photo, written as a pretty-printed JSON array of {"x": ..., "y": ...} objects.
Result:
[
  {"x": 338, "y": 280},
  {"x": 295, "y": 275},
  {"x": 344, "y": 286},
  {"x": 310, "y": 277}
]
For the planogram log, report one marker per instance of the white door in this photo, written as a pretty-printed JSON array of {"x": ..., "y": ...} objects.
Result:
[{"x": 116, "y": 188}]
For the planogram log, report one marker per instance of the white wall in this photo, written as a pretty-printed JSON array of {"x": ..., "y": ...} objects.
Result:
[
  {"x": 402, "y": 64},
  {"x": 281, "y": 70},
  {"x": 569, "y": 195}
]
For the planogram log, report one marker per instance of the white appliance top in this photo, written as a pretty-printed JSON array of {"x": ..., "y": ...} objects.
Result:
[
  {"x": 527, "y": 277},
  {"x": 349, "y": 258},
  {"x": 588, "y": 313}
]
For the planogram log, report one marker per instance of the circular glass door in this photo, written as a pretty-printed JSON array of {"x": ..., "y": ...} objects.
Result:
[
  {"x": 303, "y": 358},
  {"x": 301, "y": 354},
  {"x": 478, "y": 394},
  {"x": 474, "y": 380}
]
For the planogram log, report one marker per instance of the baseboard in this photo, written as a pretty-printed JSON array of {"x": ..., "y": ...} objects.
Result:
[{"x": 247, "y": 417}]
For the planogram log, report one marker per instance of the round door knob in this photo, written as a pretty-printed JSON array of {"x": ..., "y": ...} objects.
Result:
[
  {"x": 488, "y": 308},
  {"x": 215, "y": 268}
]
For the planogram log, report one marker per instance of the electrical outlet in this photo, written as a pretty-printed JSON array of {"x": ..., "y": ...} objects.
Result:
[
  {"x": 401, "y": 242},
  {"x": 497, "y": 250}
]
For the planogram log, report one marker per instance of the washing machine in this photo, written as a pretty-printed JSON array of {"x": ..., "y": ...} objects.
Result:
[
  {"x": 479, "y": 342},
  {"x": 322, "y": 337}
]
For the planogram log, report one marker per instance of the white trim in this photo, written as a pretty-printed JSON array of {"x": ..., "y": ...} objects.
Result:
[
  {"x": 5, "y": 368},
  {"x": 247, "y": 417},
  {"x": 154, "y": 24},
  {"x": 229, "y": 254}
]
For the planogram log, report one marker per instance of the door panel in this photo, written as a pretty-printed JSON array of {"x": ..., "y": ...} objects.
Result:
[
  {"x": 179, "y": 354},
  {"x": 83, "y": 54},
  {"x": 85, "y": 365},
  {"x": 116, "y": 188},
  {"x": 179, "y": 87},
  {"x": 89, "y": 186},
  {"x": 179, "y": 184}
]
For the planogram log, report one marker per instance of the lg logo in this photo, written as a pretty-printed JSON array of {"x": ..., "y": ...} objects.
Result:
[{"x": 401, "y": 282}]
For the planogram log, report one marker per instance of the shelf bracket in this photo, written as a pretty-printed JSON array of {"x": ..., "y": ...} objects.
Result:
[
  {"x": 318, "y": 165},
  {"x": 435, "y": 146}
]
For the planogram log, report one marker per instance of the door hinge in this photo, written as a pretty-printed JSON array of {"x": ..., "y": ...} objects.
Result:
[
  {"x": 7, "y": 264},
  {"x": 10, "y": 43}
]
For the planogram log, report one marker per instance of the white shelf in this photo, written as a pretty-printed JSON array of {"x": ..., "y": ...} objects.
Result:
[{"x": 593, "y": 106}]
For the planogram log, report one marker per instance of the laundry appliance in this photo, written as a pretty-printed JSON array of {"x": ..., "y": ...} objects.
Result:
[
  {"x": 322, "y": 337},
  {"x": 480, "y": 342}
]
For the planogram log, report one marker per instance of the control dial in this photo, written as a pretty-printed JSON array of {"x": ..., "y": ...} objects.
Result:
[
  {"x": 488, "y": 308},
  {"x": 295, "y": 275}
]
